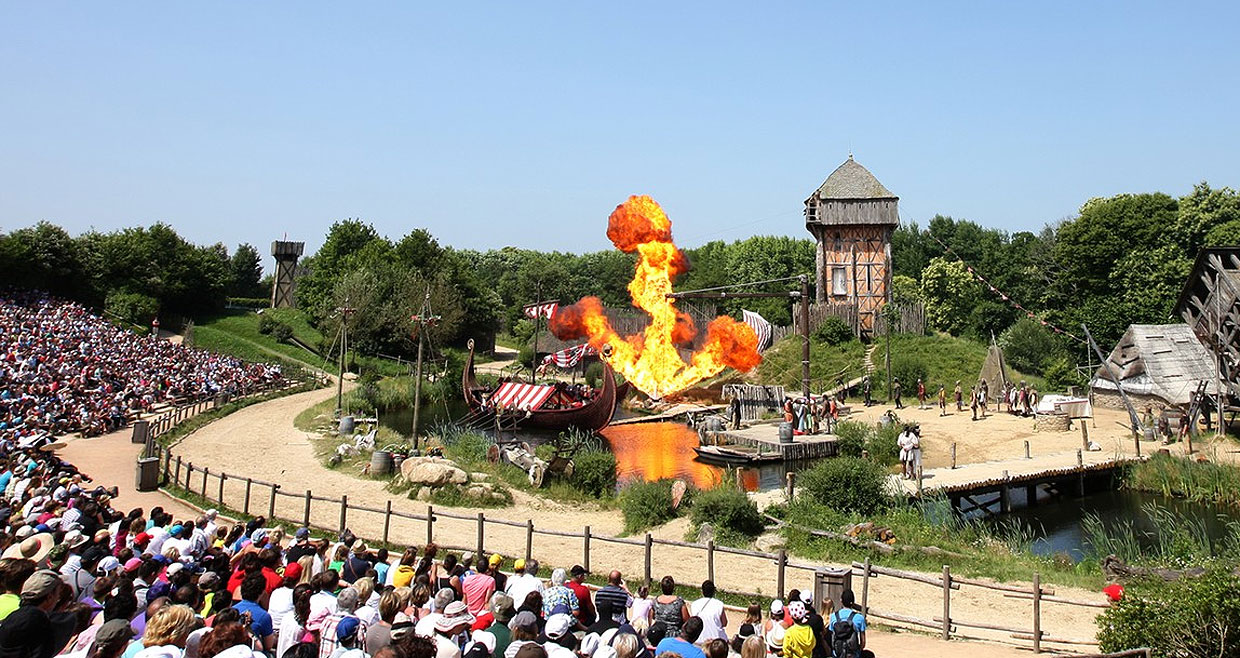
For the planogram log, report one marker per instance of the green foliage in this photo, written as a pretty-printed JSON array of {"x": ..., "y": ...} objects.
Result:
[
  {"x": 132, "y": 306},
  {"x": 905, "y": 288},
  {"x": 594, "y": 472},
  {"x": 950, "y": 293},
  {"x": 846, "y": 484},
  {"x": 882, "y": 445},
  {"x": 594, "y": 374},
  {"x": 467, "y": 448},
  {"x": 833, "y": 331},
  {"x": 1207, "y": 482},
  {"x": 1189, "y": 617},
  {"x": 851, "y": 437},
  {"x": 945, "y": 360},
  {"x": 455, "y": 495},
  {"x": 281, "y": 332},
  {"x": 250, "y": 302},
  {"x": 781, "y": 364},
  {"x": 245, "y": 272},
  {"x": 726, "y": 507},
  {"x": 266, "y": 324},
  {"x": 1029, "y": 346},
  {"x": 908, "y": 367},
  {"x": 648, "y": 504}
]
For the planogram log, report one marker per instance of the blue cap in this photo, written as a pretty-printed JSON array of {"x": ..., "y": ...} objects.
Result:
[
  {"x": 347, "y": 628},
  {"x": 176, "y": 530}
]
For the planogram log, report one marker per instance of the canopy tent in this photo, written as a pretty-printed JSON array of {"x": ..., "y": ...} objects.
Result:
[{"x": 523, "y": 397}]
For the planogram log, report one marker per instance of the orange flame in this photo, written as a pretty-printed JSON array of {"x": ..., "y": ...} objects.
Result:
[{"x": 650, "y": 360}]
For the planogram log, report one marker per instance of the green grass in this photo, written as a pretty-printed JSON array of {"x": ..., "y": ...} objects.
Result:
[
  {"x": 782, "y": 363},
  {"x": 1205, "y": 482}
]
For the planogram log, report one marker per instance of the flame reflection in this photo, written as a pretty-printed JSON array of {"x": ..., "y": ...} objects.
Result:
[{"x": 653, "y": 451}]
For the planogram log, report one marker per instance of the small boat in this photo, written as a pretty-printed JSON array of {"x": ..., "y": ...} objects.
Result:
[
  {"x": 521, "y": 405},
  {"x": 734, "y": 457}
]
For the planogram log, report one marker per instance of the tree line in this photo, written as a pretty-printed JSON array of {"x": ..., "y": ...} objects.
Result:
[{"x": 1119, "y": 260}]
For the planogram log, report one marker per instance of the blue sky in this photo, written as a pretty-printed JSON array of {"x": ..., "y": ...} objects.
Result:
[{"x": 525, "y": 123}]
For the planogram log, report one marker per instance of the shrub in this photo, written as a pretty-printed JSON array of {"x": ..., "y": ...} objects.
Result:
[
  {"x": 883, "y": 446},
  {"x": 648, "y": 504},
  {"x": 833, "y": 331},
  {"x": 594, "y": 473},
  {"x": 908, "y": 368},
  {"x": 464, "y": 447},
  {"x": 1190, "y": 617},
  {"x": 266, "y": 323},
  {"x": 281, "y": 332},
  {"x": 134, "y": 307},
  {"x": 454, "y": 495},
  {"x": 594, "y": 374},
  {"x": 851, "y": 437},
  {"x": 1029, "y": 346},
  {"x": 847, "y": 484},
  {"x": 730, "y": 511}
]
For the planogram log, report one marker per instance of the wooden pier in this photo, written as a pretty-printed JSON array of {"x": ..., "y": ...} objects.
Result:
[
  {"x": 764, "y": 438},
  {"x": 678, "y": 411}
]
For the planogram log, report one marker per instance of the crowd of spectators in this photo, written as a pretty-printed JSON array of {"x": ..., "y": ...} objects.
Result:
[{"x": 65, "y": 370}]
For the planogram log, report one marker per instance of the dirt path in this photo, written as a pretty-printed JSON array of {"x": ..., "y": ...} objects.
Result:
[{"x": 261, "y": 442}]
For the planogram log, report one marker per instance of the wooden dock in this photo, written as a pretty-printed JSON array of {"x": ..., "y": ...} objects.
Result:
[
  {"x": 1064, "y": 472},
  {"x": 678, "y": 411},
  {"x": 764, "y": 438}
]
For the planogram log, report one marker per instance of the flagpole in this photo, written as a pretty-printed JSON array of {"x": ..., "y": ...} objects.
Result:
[{"x": 537, "y": 328}]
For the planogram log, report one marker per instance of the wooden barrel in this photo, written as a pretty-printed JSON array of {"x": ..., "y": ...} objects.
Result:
[
  {"x": 785, "y": 433},
  {"x": 346, "y": 424},
  {"x": 380, "y": 462},
  {"x": 397, "y": 460}
]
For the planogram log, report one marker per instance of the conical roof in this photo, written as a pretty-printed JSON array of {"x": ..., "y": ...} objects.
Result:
[{"x": 853, "y": 181}]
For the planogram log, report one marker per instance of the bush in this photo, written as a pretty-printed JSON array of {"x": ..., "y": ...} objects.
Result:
[
  {"x": 250, "y": 302},
  {"x": 1190, "y": 617},
  {"x": 594, "y": 374},
  {"x": 282, "y": 332},
  {"x": 134, "y": 307},
  {"x": 851, "y": 437},
  {"x": 847, "y": 484},
  {"x": 833, "y": 331},
  {"x": 908, "y": 368},
  {"x": 464, "y": 447},
  {"x": 594, "y": 473},
  {"x": 266, "y": 323},
  {"x": 730, "y": 511},
  {"x": 1028, "y": 346},
  {"x": 648, "y": 504},
  {"x": 883, "y": 446}
]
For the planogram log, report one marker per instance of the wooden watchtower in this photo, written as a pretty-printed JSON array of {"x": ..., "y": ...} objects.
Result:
[
  {"x": 852, "y": 216},
  {"x": 283, "y": 287}
]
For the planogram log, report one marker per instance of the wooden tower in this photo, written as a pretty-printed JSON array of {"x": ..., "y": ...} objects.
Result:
[
  {"x": 1210, "y": 305},
  {"x": 282, "y": 289},
  {"x": 852, "y": 217}
]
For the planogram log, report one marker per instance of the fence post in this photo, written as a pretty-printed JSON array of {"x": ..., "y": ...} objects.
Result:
[
  {"x": 271, "y": 504},
  {"x": 344, "y": 511},
  {"x": 865, "y": 589},
  {"x": 430, "y": 524},
  {"x": 947, "y": 602},
  {"x": 1027, "y": 450},
  {"x": 206, "y": 471},
  {"x": 1037, "y": 612},
  {"x": 710, "y": 560},
  {"x": 306, "y": 519},
  {"x": 220, "y": 498},
  {"x": 649, "y": 556},
  {"x": 189, "y": 475},
  {"x": 782, "y": 562},
  {"x": 585, "y": 549},
  {"x": 387, "y": 520},
  {"x": 245, "y": 509},
  {"x": 529, "y": 539},
  {"x": 176, "y": 475},
  {"x": 791, "y": 486},
  {"x": 482, "y": 524},
  {"x": 953, "y": 455}
]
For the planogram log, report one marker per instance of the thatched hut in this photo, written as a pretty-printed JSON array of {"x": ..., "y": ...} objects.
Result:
[{"x": 1159, "y": 365}]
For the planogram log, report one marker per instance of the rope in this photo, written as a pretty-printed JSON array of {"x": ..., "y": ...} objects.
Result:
[{"x": 743, "y": 285}]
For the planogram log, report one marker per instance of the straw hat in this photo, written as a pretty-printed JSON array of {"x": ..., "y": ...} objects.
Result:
[{"x": 34, "y": 547}]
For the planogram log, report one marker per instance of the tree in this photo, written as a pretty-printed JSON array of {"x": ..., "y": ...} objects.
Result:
[
  {"x": 1202, "y": 213},
  {"x": 1029, "y": 346},
  {"x": 43, "y": 256},
  {"x": 950, "y": 293},
  {"x": 245, "y": 270}
]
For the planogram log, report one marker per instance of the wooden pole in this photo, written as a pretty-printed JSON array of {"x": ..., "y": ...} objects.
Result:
[
  {"x": 430, "y": 524},
  {"x": 953, "y": 455},
  {"x": 271, "y": 504},
  {"x": 529, "y": 539},
  {"x": 1027, "y": 456},
  {"x": 1005, "y": 495},
  {"x": 805, "y": 336},
  {"x": 482, "y": 524},
  {"x": 344, "y": 511},
  {"x": 176, "y": 475},
  {"x": 206, "y": 471},
  {"x": 782, "y": 562},
  {"x": 387, "y": 520},
  {"x": 1037, "y": 613},
  {"x": 305, "y": 521},
  {"x": 585, "y": 548},
  {"x": 865, "y": 589},
  {"x": 245, "y": 509},
  {"x": 649, "y": 556},
  {"x": 947, "y": 602},
  {"x": 710, "y": 560},
  {"x": 220, "y": 497},
  {"x": 1132, "y": 411},
  {"x": 791, "y": 478}
]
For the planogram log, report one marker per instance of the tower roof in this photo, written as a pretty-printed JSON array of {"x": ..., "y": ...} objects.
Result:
[{"x": 853, "y": 181}]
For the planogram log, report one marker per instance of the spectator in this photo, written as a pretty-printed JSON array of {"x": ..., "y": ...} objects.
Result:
[
  {"x": 577, "y": 583},
  {"x": 346, "y": 605},
  {"x": 683, "y": 644},
  {"x": 454, "y": 621},
  {"x": 478, "y": 589},
  {"x": 165, "y": 635},
  {"x": 501, "y": 580},
  {"x": 28, "y": 631},
  {"x": 710, "y": 610},
  {"x": 260, "y": 620},
  {"x": 560, "y": 641},
  {"x": 847, "y": 627},
  {"x": 524, "y": 580},
  {"x": 670, "y": 608},
  {"x": 502, "y": 611},
  {"x": 524, "y": 628},
  {"x": 799, "y": 640},
  {"x": 616, "y": 594}
]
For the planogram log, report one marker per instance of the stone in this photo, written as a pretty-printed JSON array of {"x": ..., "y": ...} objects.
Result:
[
  {"x": 479, "y": 477},
  {"x": 706, "y": 533},
  {"x": 432, "y": 471},
  {"x": 424, "y": 494},
  {"x": 769, "y": 542},
  {"x": 478, "y": 491}
]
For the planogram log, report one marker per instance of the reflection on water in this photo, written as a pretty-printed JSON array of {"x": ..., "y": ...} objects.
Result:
[{"x": 652, "y": 451}]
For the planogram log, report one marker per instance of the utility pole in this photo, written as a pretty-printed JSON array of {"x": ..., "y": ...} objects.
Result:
[
  {"x": 537, "y": 328},
  {"x": 887, "y": 324},
  {"x": 423, "y": 319},
  {"x": 344, "y": 311},
  {"x": 805, "y": 336}
]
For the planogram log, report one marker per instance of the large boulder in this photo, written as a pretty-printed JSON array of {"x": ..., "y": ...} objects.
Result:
[{"x": 432, "y": 472}]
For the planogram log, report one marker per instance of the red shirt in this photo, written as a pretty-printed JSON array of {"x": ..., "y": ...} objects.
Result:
[{"x": 583, "y": 598}]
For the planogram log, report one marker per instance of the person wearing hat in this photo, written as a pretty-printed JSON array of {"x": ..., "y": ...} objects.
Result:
[
  {"x": 426, "y": 625},
  {"x": 28, "y": 631},
  {"x": 357, "y": 563},
  {"x": 501, "y": 581},
  {"x": 799, "y": 640},
  {"x": 502, "y": 612},
  {"x": 347, "y": 639},
  {"x": 448, "y": 627},
  {"x": 774, "y": 629},
  {"x": 577, "y": 583},
  {"x": 524, "y": 580},
  {"x": 112, "y": 638},
  {"x": 560, "y": 641}
]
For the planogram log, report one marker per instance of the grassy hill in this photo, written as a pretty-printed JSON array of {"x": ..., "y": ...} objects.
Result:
[
  {"x": 942, "y": 359},
  {"x": 236, "y": 332}
]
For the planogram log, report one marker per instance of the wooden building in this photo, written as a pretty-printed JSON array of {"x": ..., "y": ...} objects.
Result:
[
  {"x": 1158, "y": 365},
  {"x": 1210, "y": 305},
  {"x": 852, "y": 216}
]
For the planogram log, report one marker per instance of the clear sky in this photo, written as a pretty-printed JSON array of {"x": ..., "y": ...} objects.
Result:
[{"x": 525, "y": 123}]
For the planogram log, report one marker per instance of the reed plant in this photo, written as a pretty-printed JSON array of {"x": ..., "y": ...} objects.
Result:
[{"x": 1205, "y": 481}]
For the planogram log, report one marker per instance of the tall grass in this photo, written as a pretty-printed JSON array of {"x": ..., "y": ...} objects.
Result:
[
  {"x": 1208, "y": 481},
  {"x": 1171, "y": 539}
]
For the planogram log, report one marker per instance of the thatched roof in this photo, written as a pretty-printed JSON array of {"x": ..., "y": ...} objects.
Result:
[
  {"x": 852, "y": 181},
  {"x": 1163, "y": 360}
]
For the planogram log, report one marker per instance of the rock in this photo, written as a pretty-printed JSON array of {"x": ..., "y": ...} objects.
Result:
[
  {"x": 769, "y": 542},
  {"x": 432, "y": 471},
  {"x": 424, "y": 494},
  {"x": 706, "y": 533},
  {"x": 479, "y": 477}
]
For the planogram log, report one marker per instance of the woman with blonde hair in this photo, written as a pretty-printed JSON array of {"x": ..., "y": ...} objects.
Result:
[
  {"x": 167, "y": 631},
  {"x": 626, "y": 645},
  {"x": 753, "y": 647},
  {"x": 307, "y": 569}
]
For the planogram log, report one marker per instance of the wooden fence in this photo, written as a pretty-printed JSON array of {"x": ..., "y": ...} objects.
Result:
[
  {"x": 253, "y": 497},
  {"x": 910, "y": 319}
]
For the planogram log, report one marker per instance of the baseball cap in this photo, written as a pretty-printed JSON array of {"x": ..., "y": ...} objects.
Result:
[
  {"x": 174, "y": 568},
  {"x": 292, "y": 570},
  {"x": 496, "y": 559},
  {"x": 302, "y": 533},
  {"x": 578, "y": 570},
  {"x": 558, "y": 625},
  {"x": 524, "y": 620},
  {"x": 347, "y": 628},
  {"x": 777, "y": 606},
  {"x": 807, "y": 597},
  {"x": 114, "y": 632},
  {"x": 141, "y": 539},
  {"x": 502, "y": 608},
  {"x": 519, "y": 563},
  {"x": 39, "y": 585},
  {"x": 208, "y": 580},
  {"x": 108, "y": 565}
]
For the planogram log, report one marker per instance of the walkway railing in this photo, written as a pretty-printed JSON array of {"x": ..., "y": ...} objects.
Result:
[{"x": 255, "y": 497}]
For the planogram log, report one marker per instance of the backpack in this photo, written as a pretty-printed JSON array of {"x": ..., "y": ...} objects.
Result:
[{"x": 845, "y": 640}]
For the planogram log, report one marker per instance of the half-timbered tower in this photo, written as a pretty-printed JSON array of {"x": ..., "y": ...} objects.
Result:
[{"x": 852, "y": 217}]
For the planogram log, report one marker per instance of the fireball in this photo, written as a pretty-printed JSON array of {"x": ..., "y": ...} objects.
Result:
[{"x": 650, "y": 360}]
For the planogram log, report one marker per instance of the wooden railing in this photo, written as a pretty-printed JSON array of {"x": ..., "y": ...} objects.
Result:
[{"x": 255, "y": 497}]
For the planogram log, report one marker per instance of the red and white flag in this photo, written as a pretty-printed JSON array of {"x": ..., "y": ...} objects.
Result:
[
  {"x": 570, "y": 356},
  {"x": 760, "y": 327},
  {"x": 544, "y": 310}
]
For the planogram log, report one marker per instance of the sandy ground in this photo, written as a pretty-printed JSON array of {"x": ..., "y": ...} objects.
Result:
[{"x": 261, "y": 442}]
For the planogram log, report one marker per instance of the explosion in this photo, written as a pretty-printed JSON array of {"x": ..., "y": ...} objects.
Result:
[{"x": 650, "y": 360}]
